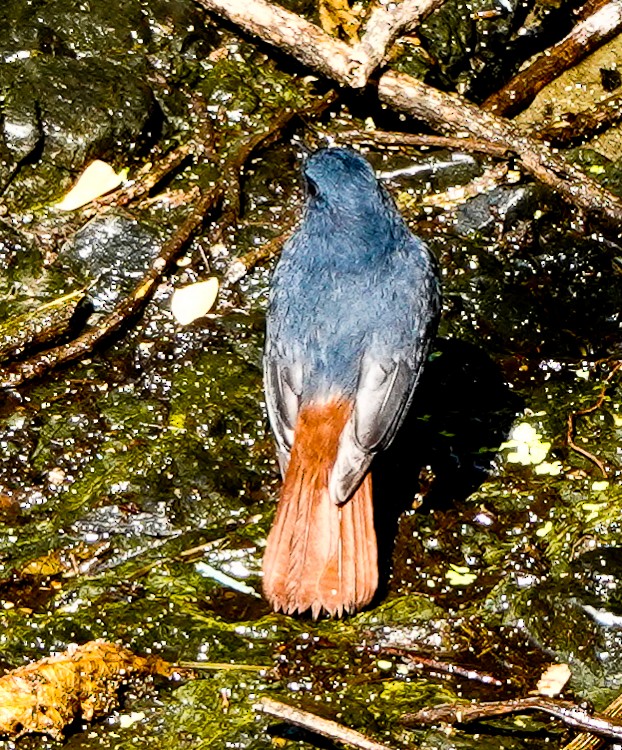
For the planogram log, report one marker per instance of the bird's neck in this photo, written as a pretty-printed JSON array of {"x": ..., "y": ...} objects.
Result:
[{"x": 350, "y": 240}]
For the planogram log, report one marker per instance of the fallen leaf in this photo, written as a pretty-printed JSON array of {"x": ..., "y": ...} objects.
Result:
[
  {"x": 460, "y": 575},
  {"x": 194, "y": 301},
  {"x": 97, "y": 179},
  {"x": 49, "y": 694},
  {"x": 553, "y": 680}
]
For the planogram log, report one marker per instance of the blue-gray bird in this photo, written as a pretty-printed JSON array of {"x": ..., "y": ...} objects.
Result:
[{"x": 354, "y": 306}]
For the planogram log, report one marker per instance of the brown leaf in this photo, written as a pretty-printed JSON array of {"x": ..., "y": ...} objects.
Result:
[{"x": 49, "y": 694}]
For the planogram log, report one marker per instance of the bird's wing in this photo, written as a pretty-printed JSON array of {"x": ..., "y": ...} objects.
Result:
[
  {"x": 384, "y": 393},
  {"x": 283, "y": 388}
]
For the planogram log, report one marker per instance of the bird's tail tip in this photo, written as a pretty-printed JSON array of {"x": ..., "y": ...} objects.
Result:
[{"x": 322, "y": 559}]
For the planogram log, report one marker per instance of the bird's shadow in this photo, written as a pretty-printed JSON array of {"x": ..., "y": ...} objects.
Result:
[{"x": 462, "y": 412}]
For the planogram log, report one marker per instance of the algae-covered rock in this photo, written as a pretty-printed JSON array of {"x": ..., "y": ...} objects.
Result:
[
  {"x": 109, "y": 255},
  {"x": 72, "y": 111}
]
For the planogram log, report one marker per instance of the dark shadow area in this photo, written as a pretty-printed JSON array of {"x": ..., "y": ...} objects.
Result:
[
  {"x": 290, "y": 733},
  {"x": 462, "y": 412}
]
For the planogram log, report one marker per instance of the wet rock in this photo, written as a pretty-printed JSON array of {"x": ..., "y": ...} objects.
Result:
[
  {"x": 76, "y": 110},
  {"x": 20, "y": 270},
  {"x": 22, "y": 132},
  {"x": 73, "y": 85},
  {"x": 439, "y": 171},
  {"x": 67, "y": 28},
  {"x": 109, "y": 254},
  {"x": 503, "y": 205}
]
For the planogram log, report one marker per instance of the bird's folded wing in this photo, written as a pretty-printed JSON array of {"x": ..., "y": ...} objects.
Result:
[
  {"x": 384, "y": 393},
  {"x": 283, "y": 387}
]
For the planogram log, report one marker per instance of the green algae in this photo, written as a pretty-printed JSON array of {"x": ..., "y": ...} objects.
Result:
[{"x": 149, "y": 469}]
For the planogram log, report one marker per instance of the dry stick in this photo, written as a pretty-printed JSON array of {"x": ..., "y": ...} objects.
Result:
[
  {"x": 288, "y": 31},
  {"x": 589, "y": 8},
  {"x": 441, "y": 111},
  {"x": 350, "y": 66},
  {"x": 317, "y": 724},
  {"x": 142, "y": 186},
  {"x": 586, "y": 36},
  {"x": 417, "y": 661},
  {"x": 39, "y": 364},
  {"x": 384, "y": 26},
  {"x": 589, "y": 410},
  {"x": 589, "y": 741},
  {"x": 385, "y": 138},
  {"x": 569, "y": 713},
  {"x": 450, "y": 113},
  {"x": 573, "y": 128}
]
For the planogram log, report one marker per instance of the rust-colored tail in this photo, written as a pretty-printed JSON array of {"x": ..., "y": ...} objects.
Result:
[{"x": 320, "y": 556}]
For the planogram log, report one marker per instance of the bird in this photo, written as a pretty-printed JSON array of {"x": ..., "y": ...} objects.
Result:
[{"x": 353, "y": 310}]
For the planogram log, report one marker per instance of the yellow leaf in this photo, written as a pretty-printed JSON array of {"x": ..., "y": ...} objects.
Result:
[
  {"x": 97, "y": 179},
  {"x": 194, "y": 301},
  {"x": 47, "y": 695},
  {"x": 460, "y": 575}
]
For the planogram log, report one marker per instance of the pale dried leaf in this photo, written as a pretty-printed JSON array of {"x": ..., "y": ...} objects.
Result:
[
  {"x": 97, "y": 179},
  {"x": 553, "y": 680},
  {"x": 194, "y": 301}
]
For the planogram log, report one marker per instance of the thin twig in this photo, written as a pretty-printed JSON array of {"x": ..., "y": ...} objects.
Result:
[
  {"x": 349, "y": 65},
  {"x": 36, "y": 366},
  {"x": 458, "y": 195},
  {"x": 317, "y": 724},
  {"x": 585, "y": 37},
  {"x": 589, "y": 410},
  {"x": 567, "y": 712},
  {"x": 145, "y": 183},
  {"x": 573, "y": 128},
  {"x": 216, "y": 666},
  {"x": 453, "y": 115},
  {"x": 289, "y": 32},
  {"x": 384, "y": 138},
  {"x": 455, "y": 670},
  {"x": 231, "y": 177},
  {"x": 385, "y": 24},
  {"x": 241, "y": 266}
]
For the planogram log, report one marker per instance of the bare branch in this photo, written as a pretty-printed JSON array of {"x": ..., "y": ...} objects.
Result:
[
  {"x": 573, "y": 128},
  {"x": 571, "y": 714},
  {"x": 586, "y": 741},
  {"x": 317, "y": 724},
  {"x": 453, "y": 115},
  {"x": 384, "y": 138},
  {"x": 384, "y": 26},
  {"x": 289, "y": 32},
  {"x": 586, "y": 36},
  {"x": 446, "y": 112}
]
